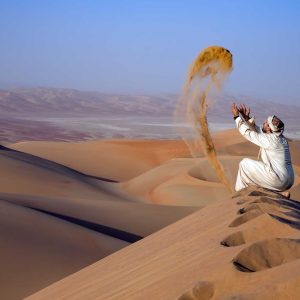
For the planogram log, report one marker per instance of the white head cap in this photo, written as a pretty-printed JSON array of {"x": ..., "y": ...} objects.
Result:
[{"x": 274, "y": 127}]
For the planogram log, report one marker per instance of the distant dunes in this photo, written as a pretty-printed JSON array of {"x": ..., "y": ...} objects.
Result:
[{"x": 73, "y": 115}]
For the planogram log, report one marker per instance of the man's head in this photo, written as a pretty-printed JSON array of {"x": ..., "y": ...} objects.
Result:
[{"x": 273, "y": 124}]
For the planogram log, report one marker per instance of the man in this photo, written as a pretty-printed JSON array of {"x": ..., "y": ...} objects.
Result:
[{"x": 273, "y": 170}]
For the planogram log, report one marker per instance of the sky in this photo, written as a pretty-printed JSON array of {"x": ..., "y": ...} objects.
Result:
[{"x": 146, "y": 47}]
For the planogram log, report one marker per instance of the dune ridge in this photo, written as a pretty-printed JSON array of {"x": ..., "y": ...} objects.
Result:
[{"x": 187, "y": 260}]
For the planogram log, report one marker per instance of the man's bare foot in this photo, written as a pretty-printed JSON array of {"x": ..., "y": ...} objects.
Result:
[{"x": 286, "y": 194}]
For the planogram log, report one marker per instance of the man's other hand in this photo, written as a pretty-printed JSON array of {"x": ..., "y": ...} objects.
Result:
[{"x": 234, "y": 110}]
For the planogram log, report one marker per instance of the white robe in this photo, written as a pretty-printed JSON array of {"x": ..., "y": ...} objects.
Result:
[{"x": 273, "y": 170}]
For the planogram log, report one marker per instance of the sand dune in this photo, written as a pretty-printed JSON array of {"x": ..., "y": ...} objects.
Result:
[
  {"x": 37, "y": 183},
  {"x": 186, "y": 260},
  {"x": 38, "y": 249},
  {"x": 144, "y": 218},
  {"x": 99, "y": 158},
  {"x": 27, "y": 174},
  {"x": 132, "y": 157},
  {"x": 90, "y": 199},
  {"x": 181, "y": 181},
  {"x": 57, "y": 220}
]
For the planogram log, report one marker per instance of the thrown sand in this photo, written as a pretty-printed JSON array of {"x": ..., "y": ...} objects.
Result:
[{"x": 205, "y": 77}]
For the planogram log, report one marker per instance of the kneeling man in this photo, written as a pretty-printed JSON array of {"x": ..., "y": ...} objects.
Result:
[{"x": 274, "y": 169}]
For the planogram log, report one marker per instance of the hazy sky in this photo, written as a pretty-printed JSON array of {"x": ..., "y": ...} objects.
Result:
[{"x": 139, "y": 46}]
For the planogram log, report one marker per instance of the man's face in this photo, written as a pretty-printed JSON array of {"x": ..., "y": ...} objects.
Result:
[{"x": 266, "y": 128}]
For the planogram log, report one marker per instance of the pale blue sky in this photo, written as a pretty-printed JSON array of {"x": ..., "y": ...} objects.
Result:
[{"x": 141, "y": 46}]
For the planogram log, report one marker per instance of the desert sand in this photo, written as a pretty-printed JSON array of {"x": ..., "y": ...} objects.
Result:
[
  {"x": 218, "y": 252},
  {"x": 142, "y": 219}
]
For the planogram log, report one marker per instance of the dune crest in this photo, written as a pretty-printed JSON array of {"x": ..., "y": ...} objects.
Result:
[{"x": 187, "y": 261}]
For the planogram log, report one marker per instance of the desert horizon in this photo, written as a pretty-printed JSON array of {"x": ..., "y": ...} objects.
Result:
[{"x": 74, "y": 115}]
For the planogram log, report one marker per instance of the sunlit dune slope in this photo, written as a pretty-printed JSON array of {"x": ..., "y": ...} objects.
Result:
[
  {"x": 113, "y": 159},
  {"x": 35, "y": 182},
  {"x": 119, "y": 159},
  {"x": 190, "y": 181},
  {"x": 246, "y": 246}
]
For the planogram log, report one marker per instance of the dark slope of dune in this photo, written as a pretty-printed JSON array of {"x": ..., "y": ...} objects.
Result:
[
  {"x": 56, "y": 220},
  {"x": 38, "y": 249}
]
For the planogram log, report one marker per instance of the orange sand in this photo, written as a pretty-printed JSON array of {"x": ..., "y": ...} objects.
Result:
[{"x": 59, "y": 215}]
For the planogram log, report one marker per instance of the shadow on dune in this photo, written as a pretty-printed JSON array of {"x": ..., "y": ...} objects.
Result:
[
  {"x": 293, "y": 223},
  {"x": 91, "y": 202},
  {"x": 116, "y": 233},
  {"x": 276, "y": 202}
]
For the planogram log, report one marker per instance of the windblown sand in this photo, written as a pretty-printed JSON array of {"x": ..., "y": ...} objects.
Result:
[
  {"x": 138, "y": 219},
  {"x": 205, "y": 78}
]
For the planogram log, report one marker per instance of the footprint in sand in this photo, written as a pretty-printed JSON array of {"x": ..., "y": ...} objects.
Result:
[
  {"x": 249, "y": 193},
  {"x": 203, "y": 290},
  {"x": 262, "y": 199},
  {"x": 267, "y": 254},
  {"x": 246, "y": 217},
  {"x": 235, "y": 239},
  {"x": 284, "y": 210},
  {"x": 271, "y": 228},
  {"x": 243, "y": 201},
  {"x": 262, "y": 206},
  {"x": 254, "y": 191}
]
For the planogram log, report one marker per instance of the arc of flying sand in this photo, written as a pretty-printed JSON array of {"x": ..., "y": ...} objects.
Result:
[{"x": 212, "y": 64}]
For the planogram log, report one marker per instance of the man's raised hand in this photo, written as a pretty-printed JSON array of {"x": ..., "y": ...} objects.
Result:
[{"x": 245, "y": 111}]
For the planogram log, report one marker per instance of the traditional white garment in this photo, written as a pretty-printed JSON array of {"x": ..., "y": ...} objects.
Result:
[{"x": 273, "y": 170}]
